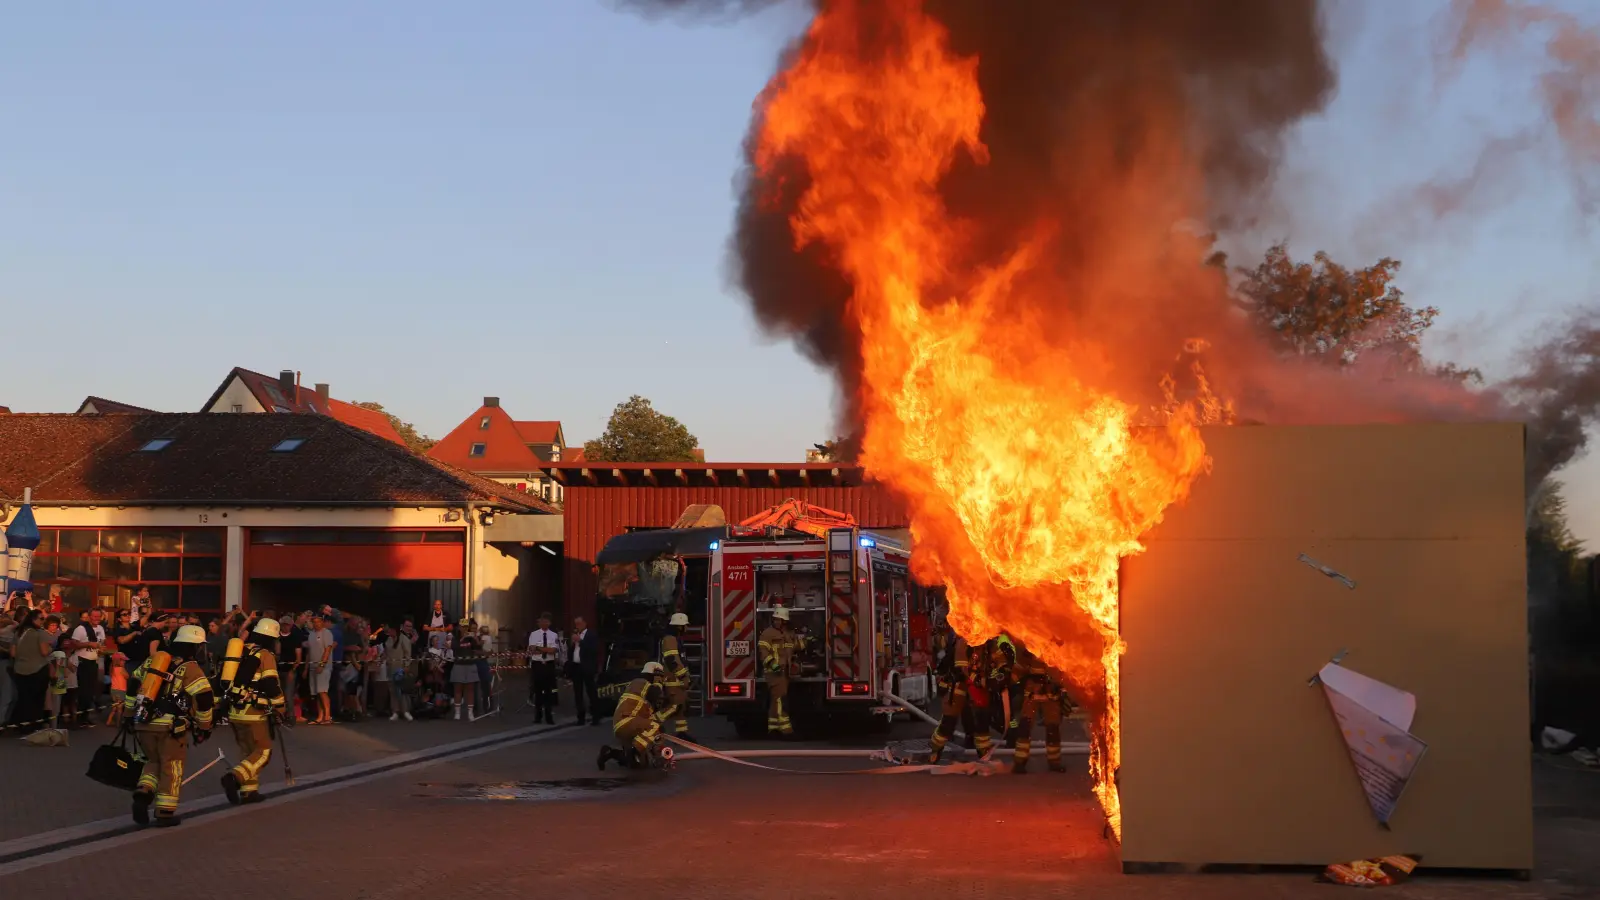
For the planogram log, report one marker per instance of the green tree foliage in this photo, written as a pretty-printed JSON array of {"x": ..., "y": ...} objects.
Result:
[
  {"x": 1324, "y": 310},
  {"x": 418, "y": 442},
  {"x": 638, "y": 433}
]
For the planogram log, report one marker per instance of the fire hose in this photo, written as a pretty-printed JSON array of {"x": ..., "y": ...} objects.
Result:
[{"x": 1075, "y": 747}]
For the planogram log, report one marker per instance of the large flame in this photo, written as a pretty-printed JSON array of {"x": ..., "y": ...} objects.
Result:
[{"x": 1026, "y": 482}]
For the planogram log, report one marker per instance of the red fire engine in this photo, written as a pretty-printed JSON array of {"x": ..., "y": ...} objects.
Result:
[{"x": 863, "y": 620}]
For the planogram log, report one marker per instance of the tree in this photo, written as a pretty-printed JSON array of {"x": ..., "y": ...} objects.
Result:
[
  {"x": 1324, "y": 310},
  {"x": 638, "y": 433},
  {"x": 418, "y": 442}
]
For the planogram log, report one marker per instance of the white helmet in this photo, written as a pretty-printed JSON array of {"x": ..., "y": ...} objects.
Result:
[
  {"x": 190, "y": 634},
  {"x": 653, "y": 668},
  {"x": 678, "y": 619},
  {"x": 780, "y": 612},
  {"x": 267, "y": 627}
]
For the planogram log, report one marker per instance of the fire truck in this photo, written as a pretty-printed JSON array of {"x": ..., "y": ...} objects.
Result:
[{"x": 863, "y": 621}]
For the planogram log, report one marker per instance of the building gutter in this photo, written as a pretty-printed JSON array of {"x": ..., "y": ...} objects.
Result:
[{"x": 290, "y": 504}]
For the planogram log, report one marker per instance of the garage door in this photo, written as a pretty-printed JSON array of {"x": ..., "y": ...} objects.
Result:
[{"x": 354, "y": 553}]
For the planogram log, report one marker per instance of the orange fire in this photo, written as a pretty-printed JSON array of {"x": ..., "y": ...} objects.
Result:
[{"x": 1026, "y": 483}]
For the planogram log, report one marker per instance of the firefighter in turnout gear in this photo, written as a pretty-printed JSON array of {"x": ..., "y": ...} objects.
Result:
[
  {"x": 1042, "y": 697},
  {"x": 678, "y": 679},
  {"x": 252, "y": 697},
  {"x": 972, "y": 670},
  {"x": 777, "y": 648},
  {"x": 174, "y": 702},
  {"x": 636, "y": 723}
]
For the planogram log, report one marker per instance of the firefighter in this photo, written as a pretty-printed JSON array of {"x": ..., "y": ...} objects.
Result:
[
  {"x": 174, "y": 700},
  {"x": 678, "y": 679},
  {"x": 1005, "y": 698},
  {"x": 1041, "y": 697},
  {"x": 254, "y": 702},
  {"x": 777, "y": 647},
  {"x": 636, "y": 723},
  {"x": 968, "y": 691}
]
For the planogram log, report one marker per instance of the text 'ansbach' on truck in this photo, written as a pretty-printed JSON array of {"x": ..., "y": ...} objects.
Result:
[{"x": 864, "y": 624}]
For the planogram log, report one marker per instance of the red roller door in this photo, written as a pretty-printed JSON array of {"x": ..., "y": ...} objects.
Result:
[{"x": 350, "y": 555}]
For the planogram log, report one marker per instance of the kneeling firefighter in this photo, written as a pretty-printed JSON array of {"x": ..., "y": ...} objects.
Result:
[
  {"x": 636, "y": 723},
  {"x": 252, "y": 699},
  {"x": 174, "y": 701}
]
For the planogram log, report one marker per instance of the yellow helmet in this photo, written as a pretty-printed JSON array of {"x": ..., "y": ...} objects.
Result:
[
  {"x": 190, "y": 634},
  {"x": 780, "y": 612},
  {"x": 268, "y": 628},
  {"x": 653, "y": 668},
  {"x": 678, "y": 619}
]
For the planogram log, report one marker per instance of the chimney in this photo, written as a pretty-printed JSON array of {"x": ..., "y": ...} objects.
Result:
[
  {"x": 286, "y": 382},
  {"x": 322, "y": 397},
  {"x": 491, "y": 401}
]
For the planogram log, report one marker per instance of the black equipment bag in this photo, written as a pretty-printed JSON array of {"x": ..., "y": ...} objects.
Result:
[{"x": 114, "y": 766}]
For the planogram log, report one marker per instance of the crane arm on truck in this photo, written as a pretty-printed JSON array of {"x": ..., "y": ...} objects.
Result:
[{"x": 798, "y": 515}]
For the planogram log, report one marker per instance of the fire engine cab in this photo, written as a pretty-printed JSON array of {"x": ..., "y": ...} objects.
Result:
[{"x": 862, "y": 621}]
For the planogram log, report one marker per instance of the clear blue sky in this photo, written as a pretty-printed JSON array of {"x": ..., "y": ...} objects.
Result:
[{"x": 425, "y": 203}]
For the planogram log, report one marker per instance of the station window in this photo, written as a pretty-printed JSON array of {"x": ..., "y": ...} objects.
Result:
[{"x": 183, "y": 567}]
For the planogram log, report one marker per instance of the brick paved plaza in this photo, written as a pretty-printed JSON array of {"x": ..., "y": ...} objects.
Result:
[{"x": 709, "y": 830}]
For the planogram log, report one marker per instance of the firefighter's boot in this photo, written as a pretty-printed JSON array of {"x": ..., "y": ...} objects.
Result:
[
  {"x": 141, "y": 807},
  {"x": 168, "y": 820},
  {"x": 230, "y": 786},
  {"x": 1019, "y": 767},
  {"x": 606, "y": 755},
  {"x": 1057, "y": 766}
]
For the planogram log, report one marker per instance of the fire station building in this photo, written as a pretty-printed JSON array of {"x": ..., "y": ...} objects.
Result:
[{"x": 283, "y": 512}]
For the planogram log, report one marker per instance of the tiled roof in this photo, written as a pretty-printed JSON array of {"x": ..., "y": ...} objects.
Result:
[
  {"x": 503, "y": 446},
  {"x": 539, "y": 432},
  {"x": 369, "y": 420},
  {"x": 302, "y": 399},
  {"x": 573, "y": 454},
  {"x": 106, "y": 407},
  {"x": 227, "y": 459}
]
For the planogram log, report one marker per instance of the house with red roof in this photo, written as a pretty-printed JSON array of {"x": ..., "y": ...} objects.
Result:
[
  {"x": 244, "y": 391},
  {"x": 100, "y": 406},
  {"x": 491, "y": 444},
  {"x": 284, "y": 512}
]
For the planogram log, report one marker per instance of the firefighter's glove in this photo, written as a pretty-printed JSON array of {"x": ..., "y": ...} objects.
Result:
[{"x": 201, "y": 735}]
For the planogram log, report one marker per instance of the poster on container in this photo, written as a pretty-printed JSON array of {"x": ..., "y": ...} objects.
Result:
[
  {"x": 1375, "y": 719},
  {"x": 22, "y": 538}
]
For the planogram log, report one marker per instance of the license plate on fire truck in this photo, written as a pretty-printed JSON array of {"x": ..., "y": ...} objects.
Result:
[{"x": 737, "y": 648}]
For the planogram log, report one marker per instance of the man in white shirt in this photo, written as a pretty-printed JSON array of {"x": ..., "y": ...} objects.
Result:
[
  {"x": 544, "y": 658},
  {"x": 438, "y": 622},
  {"x": 87, "y": 640}
]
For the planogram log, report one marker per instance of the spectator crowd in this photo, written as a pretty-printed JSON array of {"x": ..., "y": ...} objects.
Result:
[{"x": 71, "y": 670}]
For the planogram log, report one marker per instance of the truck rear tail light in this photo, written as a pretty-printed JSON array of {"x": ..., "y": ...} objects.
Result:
[
  {"x": 854, "y": 687},
  {"x": 734, "y": 689}
]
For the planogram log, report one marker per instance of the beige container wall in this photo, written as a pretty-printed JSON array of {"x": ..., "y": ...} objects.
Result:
[{"x": 1228, "y": 755}]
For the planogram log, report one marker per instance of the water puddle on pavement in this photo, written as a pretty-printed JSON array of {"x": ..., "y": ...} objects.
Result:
[{"x": 528, "y": 791}]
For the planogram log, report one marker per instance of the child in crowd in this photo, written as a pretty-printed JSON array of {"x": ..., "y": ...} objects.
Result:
[
  {"x": 119, "y": 687},
  {"x": 54, "y": 698}
]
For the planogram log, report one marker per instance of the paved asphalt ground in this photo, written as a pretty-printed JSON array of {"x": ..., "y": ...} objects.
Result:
[{"x": 528, "y": 817}]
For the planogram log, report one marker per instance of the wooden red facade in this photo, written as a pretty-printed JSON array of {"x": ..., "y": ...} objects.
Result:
[{"x": 607, "y": 499}]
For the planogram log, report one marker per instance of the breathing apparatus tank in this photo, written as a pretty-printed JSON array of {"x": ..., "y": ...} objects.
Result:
[
  {"x": 230, "y": 664},
  {"x": 156, "y": 675}
]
